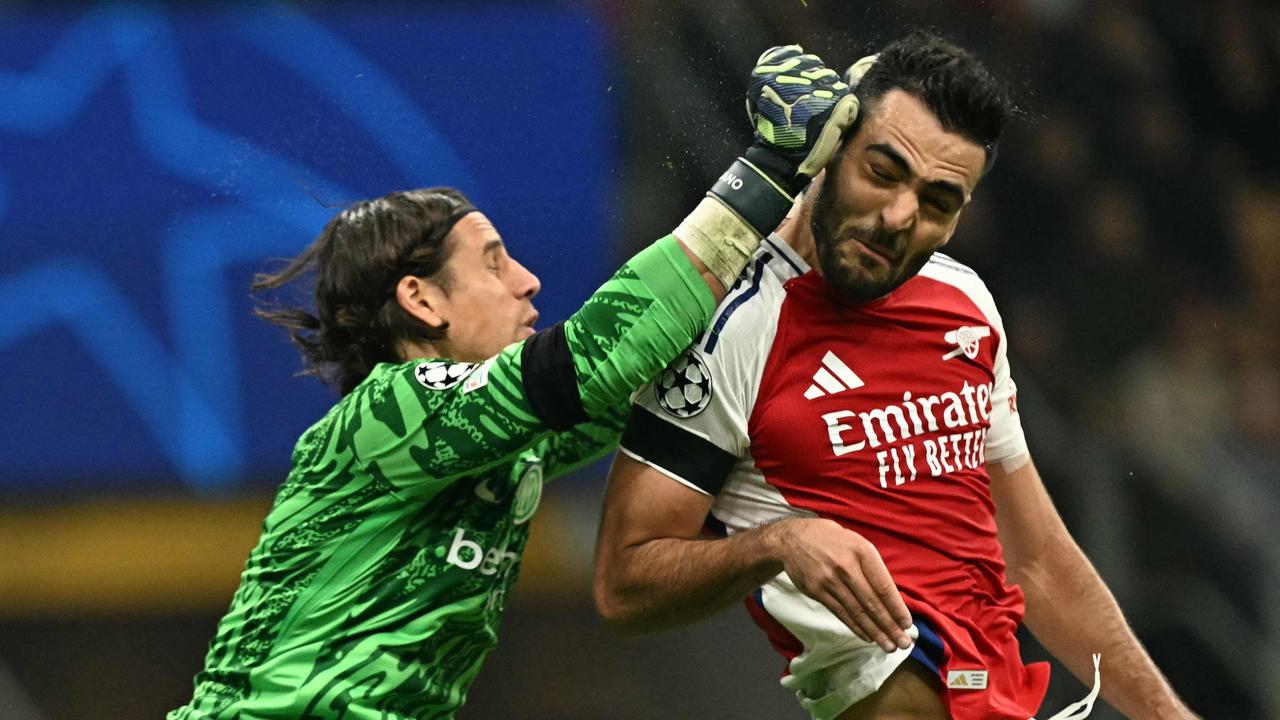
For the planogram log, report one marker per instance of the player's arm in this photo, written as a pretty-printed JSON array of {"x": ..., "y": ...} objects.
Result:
[
  {"x": 582, "y": 444},
  {"x": 1069, "y": 608},
  {"x": 746, "y": 203},
  {"x": 794, "y": 141},
  {"x": 654, "y": 571},
  {"x": 648, "y": 312}
]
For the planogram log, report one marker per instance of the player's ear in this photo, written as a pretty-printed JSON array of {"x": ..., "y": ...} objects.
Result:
[{"x": 424, "y": 300}]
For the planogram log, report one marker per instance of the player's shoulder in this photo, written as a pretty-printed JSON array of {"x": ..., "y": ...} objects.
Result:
[
  {"x": 946, "y": 269},
  {"x": 725, "y": 362},
  {"x": 394, "y": 391},
  {"x": 434, "y": 375},
  {"x": 751, "y": 305}
]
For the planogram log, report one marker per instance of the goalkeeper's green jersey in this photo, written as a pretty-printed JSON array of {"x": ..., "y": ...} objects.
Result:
[{"x": 378, "y": 583}]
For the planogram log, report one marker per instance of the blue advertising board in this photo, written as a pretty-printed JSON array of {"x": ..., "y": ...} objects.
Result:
[{"x": 153, "y": 157}]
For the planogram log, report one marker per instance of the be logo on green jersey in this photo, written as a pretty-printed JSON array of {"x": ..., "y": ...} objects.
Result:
[{"x": 528, "y": 495}]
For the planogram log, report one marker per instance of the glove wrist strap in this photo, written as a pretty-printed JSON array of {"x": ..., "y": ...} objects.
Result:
[{"x": 747, "y": 190}]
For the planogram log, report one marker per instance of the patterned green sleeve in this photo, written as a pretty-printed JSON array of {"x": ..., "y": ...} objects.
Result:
[
  {"x": 678, "y": 310},
  {"x": 423, "y": 425},
  {"x": 566, "y": 451}
]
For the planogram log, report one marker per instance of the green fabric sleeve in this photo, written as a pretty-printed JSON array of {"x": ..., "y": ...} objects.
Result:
[
  {"x": 564, "y": 452},
  {"x": 611, "y": 365},
  {"x": 422, "y": 425}
]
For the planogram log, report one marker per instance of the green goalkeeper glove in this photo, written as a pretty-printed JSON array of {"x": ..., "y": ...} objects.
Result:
[{"x": 798, "y": 108}]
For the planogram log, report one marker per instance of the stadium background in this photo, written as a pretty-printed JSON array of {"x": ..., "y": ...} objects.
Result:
[{"x": 153, "y": 156}]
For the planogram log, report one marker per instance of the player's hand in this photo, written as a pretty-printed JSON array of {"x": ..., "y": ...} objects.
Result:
[
  {"x": 798, "y": 109},
  {"x": 842, "y": 570}
]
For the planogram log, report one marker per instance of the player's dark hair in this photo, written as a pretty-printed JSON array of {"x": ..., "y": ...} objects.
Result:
[
  {"x": 353, "y": 268},
  {"x": 955, "y": 86}
]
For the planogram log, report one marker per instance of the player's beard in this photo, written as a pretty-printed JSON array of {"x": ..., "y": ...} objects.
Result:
[{"x": 830, "y": 234}]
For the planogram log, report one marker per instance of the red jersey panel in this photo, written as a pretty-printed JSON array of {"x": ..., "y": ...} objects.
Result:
[
  {"x": 898, "y": 455},
  {"x": 881, "y": 416}
]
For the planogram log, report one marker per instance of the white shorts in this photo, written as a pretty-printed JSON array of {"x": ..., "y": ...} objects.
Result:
[{"x": 836, "y": 668}]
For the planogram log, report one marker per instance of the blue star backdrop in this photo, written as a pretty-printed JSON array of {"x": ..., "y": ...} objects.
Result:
[{"x": 153, "y": 157}]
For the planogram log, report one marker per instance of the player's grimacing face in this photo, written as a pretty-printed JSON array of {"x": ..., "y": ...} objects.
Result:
[
  {"x": 892, "y": 198},
  {"x": 490, "y": 300}
]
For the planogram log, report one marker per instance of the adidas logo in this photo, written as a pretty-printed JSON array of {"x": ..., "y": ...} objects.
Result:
[
  {"x": 833, "y": 377},
  {"x": 967, "y": 679}
]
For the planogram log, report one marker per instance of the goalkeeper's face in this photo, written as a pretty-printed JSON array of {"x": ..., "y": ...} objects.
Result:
[
  {"x": 489, "y": 299},
  {"x": 892, "y": 197}
]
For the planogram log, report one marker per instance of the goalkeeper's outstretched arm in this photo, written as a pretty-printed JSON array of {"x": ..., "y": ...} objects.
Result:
[{"x": 639, "y": 320}]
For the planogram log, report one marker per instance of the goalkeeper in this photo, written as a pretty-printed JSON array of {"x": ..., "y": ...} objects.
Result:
[{"x": 376, "y": 588}]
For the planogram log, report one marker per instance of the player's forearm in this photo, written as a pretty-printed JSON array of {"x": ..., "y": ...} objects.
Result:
[
  {"x": 584, "y": 443},
  {"x": 717, "y": 288},
  {"x": 1073, "y": 614},
  {"x": 719, "y": 237},
  {"x": 669, "y": 582},
  {"x": 630, "y": 328}
]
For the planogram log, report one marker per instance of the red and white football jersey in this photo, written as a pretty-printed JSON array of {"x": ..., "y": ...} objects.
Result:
[{"x": 882, "y": 417}]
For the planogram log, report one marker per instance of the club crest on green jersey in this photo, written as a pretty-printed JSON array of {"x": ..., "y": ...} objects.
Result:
[
  {"x": 528, "y": 494},
  {"x": 442, "y": 374}
]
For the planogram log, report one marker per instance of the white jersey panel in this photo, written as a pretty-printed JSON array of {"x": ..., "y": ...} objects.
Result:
[
  {"x": 1005, "y": 439},
  {"x": 710, "y": 390},
  {"x": 747, "y": 500}
]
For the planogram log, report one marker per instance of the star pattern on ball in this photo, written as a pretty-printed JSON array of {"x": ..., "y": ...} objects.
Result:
[
  {"x": 442, "y": 374},
  {"x": 684, "y": 388}
]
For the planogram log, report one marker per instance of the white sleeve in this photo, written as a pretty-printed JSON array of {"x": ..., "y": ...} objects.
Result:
[
  {"x": 690, "y": 422},
  {"x": 1005, "y": 439}
]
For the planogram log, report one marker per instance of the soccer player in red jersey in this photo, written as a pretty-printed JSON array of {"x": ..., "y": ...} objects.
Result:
[{"x": 847, "y": 433}]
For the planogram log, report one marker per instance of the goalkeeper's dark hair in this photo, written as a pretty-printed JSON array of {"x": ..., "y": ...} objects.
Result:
[
  {"x": 352, "y": 270},
  {"x": 952, "y": 83}
]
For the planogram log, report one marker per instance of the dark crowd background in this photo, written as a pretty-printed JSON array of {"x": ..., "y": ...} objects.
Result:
[{"x": 1128, "y": 233}]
